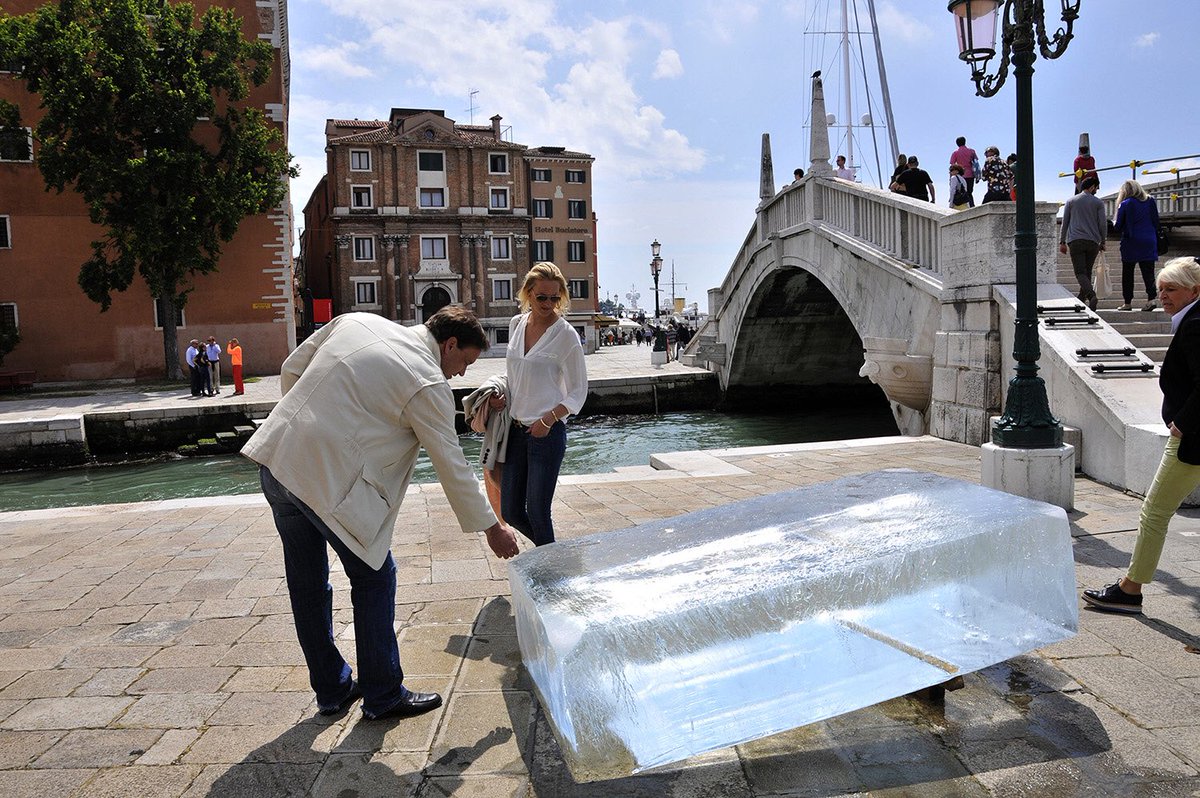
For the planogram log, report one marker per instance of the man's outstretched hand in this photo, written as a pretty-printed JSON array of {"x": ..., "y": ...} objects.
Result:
[{"x": 502, "y": 539}]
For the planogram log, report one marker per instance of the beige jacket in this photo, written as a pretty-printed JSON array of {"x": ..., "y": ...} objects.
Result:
[{"x": 361, "y": 397}]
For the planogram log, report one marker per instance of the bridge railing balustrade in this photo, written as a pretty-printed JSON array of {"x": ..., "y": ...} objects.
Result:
[{"x": 903, "y": 228}]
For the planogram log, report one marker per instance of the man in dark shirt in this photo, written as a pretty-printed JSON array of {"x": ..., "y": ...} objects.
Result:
[{"x": 915, "y": 182}]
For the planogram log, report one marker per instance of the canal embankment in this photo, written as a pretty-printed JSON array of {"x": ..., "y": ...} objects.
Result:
[{"x": 113, "y": 424}]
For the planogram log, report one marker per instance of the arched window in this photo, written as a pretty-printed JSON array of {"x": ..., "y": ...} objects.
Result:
[{"x": 434, "y": 300}]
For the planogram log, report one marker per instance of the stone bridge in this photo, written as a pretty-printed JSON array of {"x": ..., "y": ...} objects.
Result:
[{"x": 842, "y": 290}]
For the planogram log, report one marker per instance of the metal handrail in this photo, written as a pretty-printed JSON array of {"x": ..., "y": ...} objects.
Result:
[{"x": 1132, "y": 166}]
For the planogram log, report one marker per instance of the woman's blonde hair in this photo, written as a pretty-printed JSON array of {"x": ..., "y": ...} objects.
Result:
[
  {"x": 545, "y": 270},
  {"x": 1131, "y": 188},
  {"x": 1184, "y": 272}
]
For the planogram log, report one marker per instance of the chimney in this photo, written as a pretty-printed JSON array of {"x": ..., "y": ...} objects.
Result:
[{"x": 496, "y": 126}]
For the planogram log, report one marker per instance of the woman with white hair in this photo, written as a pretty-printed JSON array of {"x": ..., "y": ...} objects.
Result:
[
  {"x": 1179, "y": 472},
  {"x": 1137, "y": 222}
]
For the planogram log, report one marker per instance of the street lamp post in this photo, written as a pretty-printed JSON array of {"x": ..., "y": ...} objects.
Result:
[
  {"x": 655, "y": 268},
  {"x": 1027, "y": 422}
]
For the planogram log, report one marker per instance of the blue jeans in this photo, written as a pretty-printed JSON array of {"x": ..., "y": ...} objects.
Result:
[
  {"x": 372, "y": 594},
  {"x": 527, "y": 481}
]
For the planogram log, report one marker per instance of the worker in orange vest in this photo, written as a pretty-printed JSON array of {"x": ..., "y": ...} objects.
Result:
[{"x": 235, "y": 355}]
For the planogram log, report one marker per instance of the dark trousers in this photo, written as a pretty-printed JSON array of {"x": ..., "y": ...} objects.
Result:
[
  {"x": 527, "y": 482},
  {"x": 970, "y": 191},
  {"x": 1147, "y": 267},
  {"x": 1083, "y": 257},
  {"x": 306, "y": 540},
  {"x": 194, "y": 373}
]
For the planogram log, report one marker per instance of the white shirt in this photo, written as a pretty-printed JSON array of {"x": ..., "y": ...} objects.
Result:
[
  {"x": 1177, "y": 319},
  {"x": 551, "y": 373},
  {"x": 845, "y": 173}
]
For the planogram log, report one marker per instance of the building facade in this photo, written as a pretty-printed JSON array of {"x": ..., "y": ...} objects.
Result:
[
  {"x": 45, "y": 237},
  {"x": 417, "y": 212}
]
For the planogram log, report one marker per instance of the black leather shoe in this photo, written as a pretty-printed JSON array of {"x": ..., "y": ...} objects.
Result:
[
  {"x": 354, "y": 694},
  {"x": 412, "y": 704},
  {"x": 1113, "y": 599}
]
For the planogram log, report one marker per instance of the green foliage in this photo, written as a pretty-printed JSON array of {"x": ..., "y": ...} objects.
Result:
[
  {"x": 610, "y": 308},
  {"x": 144, "y": 119},
  {"x": 14, "y": 139}
]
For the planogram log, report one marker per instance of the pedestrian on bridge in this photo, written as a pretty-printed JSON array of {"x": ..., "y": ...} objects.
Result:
[
  {"x": 1179, "y": 471},
  {"x": 968, "y": 161},
  {"x": 1137, "y": 222},
  {"x": 1083, "y": 232},
  {"x": 960, "y": 195},
  {"x": 915, "y": 182},
  {"x": 998, "y": 175}
]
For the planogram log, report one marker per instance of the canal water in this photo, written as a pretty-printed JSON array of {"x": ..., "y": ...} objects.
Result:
[{"x": 595, "y": 444}]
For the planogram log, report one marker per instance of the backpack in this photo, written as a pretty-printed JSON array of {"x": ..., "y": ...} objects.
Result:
[{"x": 961, "y": 195}]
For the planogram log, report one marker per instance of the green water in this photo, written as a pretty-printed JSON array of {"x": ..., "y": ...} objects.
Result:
[{"x": 595, "y": 444}]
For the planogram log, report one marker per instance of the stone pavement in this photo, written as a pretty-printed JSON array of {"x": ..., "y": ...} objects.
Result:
[{"x": 147, "y": 650}]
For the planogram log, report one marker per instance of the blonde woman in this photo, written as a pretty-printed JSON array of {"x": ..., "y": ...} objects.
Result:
[
  {"x": 547, "y": 382},
  {"x": 1137, "y": 222}
]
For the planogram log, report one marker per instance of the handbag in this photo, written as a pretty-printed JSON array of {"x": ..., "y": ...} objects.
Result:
[
  {"x": 961, "y": 196},
  {"x": 1101, "y": 282},
  {"x": 1164, "y": 241}
]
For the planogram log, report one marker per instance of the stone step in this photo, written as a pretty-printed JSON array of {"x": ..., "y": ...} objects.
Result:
[
  {"x": 1146, "y": 341},
  {"x": 245, "y": 431}
]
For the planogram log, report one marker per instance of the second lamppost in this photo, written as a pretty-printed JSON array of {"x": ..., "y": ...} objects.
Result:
[
  {"x": 655, "y": 268},
  {"x": 1027, "y": 422}
]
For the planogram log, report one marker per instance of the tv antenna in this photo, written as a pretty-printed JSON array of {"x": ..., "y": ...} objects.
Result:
[{"x": 471, "y": 103}]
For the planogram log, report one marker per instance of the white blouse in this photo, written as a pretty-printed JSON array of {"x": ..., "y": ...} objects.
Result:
[{"x": 550, "y": 373}]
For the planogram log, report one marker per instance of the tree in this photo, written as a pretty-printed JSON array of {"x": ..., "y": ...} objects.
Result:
[
  {"x": 143, "y": 118},
  {"x": 610, "y": 308}
]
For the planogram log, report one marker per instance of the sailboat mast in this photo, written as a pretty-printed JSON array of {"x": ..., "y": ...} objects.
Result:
[
  {"x": 849, "y": 119},
  {"x": 887, "y": 97}
]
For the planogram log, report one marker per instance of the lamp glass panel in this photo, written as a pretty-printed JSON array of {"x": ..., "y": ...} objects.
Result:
[{"x": 975, "y": 24}]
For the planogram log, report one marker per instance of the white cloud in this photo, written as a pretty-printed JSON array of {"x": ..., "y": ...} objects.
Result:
[
  {"x": 557, "y": 82},
  {"x": 668, "y": 65},
  {"x": 1146, "y": 40},
  {"x": 338, "y": 61},
  {"x": 724, "y": 20},
  {"x": 902, "y": 25}
]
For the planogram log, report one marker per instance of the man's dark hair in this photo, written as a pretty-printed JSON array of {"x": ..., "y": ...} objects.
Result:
[
  {"x": 912, "y": 161},
  {"x": 799, "y": 173},
  {"x": 457, "y": 322},
  {"x": 961, "y": 141},
  {"x": 1089, "y": 182}
]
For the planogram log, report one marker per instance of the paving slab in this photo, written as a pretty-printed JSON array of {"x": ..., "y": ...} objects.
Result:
[{"x": 125, "y": 688}]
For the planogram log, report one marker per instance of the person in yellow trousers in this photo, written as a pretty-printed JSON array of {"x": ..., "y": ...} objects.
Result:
[{"x": 235, "y": 356}]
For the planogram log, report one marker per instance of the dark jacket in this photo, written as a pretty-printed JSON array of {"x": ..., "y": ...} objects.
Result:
[
  {"x": 1179, "y": 379},
  {"x": 1137, "y": 222}
]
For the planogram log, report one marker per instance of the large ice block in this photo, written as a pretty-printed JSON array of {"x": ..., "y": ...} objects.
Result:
[{"x": 654, "y": 643}]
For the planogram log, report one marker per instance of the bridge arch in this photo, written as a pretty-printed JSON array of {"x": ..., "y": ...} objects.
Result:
[{"x": 796, "y": 342}]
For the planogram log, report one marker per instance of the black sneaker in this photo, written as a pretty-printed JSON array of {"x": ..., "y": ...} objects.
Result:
[{"x": 1114, "y": 599}]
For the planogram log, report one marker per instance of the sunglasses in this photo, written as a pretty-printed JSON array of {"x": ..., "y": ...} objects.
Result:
[{"x": 546, "y": 298}]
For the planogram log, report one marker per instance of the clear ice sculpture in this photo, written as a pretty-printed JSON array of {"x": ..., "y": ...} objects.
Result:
[{"x": 652, "y": 644}]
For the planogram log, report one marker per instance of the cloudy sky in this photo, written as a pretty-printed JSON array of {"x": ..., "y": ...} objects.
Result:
[{"x": 672, "y": 98}]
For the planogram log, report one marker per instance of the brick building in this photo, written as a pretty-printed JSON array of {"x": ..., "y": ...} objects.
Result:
[
  {"x": 45, "y": 237},
  {"x": 417, "y": 211}
]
